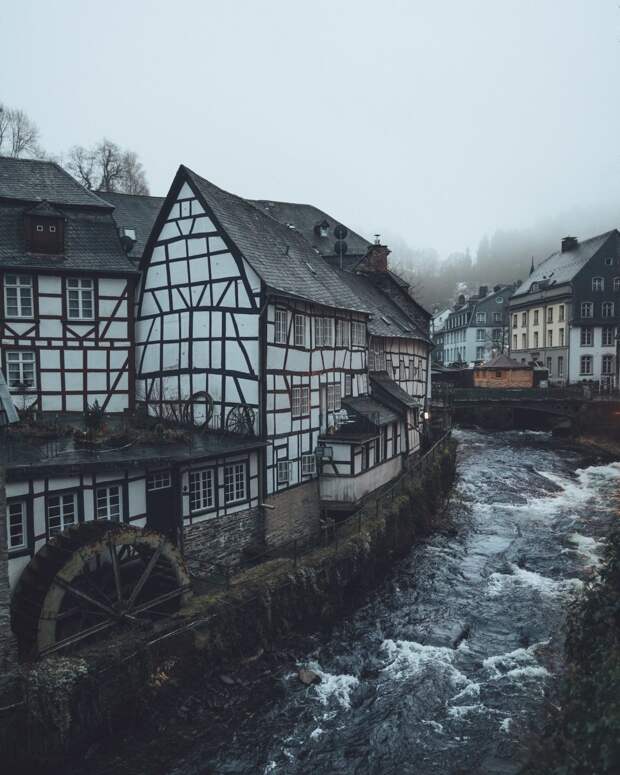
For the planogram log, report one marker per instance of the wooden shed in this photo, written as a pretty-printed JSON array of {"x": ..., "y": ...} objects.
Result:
[{"x": 503, "y": 372}]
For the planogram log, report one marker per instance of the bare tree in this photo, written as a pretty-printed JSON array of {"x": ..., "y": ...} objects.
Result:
[
  {"x": 106, "y": 167},
  {"x": 19, "y": 135}
]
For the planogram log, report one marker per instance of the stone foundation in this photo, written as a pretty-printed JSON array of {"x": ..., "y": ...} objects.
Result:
[
  {"x": 220, "y": 540},
  {"x": 295, "y": 516}
]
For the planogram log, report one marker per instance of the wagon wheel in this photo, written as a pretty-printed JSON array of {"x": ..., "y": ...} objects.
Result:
[
  {"x": 240, "y": 419},
  {"x": 198, "y": 409},
  {"x": 91, "y": 578}
]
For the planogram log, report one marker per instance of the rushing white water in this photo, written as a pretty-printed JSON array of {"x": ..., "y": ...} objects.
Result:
[{"x": 396, "y": 695}]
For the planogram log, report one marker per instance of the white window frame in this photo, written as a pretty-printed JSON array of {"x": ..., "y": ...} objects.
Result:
[
  {"x": 308, "y": 464},
  {"x": 523, "y": 319},
  {"x": 201, "y": 489},
  {"x": 16, "y": 517},
  {"x": 587, "y": 309},
  {"x": 608, "y": 309},
  {"x": 561, "y": 335},
  {"x": 334, "y": 399},
  {"x": 343, "y": 333},
  {"x": 561, "y": 313},
  {"x": 550, "y": 338},
  {"x": 284, "y": 471},
  {"x": 323, "y": 332},
  {"x": 18, "y": 364},
  {"x": 300, "y": 330},
  {"x": 109, "y": 505},
  {"x": 235, "y": 483},
  {"x": 22, "y": 286},
  {"x": 585, "y": 359},
  {"x": 598, "y": 283},
  {"x": 549, "y": 314},
  {"x": 561, "y": 366},
  {"x": 481, "y": 317},
  {"x": 348, "y": 384},
  {"x": 607, "y": 358},
  {"x": 607, "y": 336},
  {"x": 300, "y": 400},
  {"x": 480, "y": 353},
  {"x": 358, "y": 333},
  {"x": 66, "y": 505},
  {"x": 616, "y": 283},
  {"x": 480, "y": 334},
  {"x": 586, "y": 337},
  {"x": 280, "y": 334},
  {"x": 159, "y": 480},
  {"x": 80, "y": 291}
]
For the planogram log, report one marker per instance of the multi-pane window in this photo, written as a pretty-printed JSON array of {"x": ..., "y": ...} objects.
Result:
[
  {"x": 201, "y": 489},
  {"x": 348, "y": 385},
  {"x": 586, "y": 309},
  {"x": 524, "y": 341},
  {"x": 497, "y": 317},
  {"x": 16, "y": 524},
  {"x": 300, "y": 400},
  {"x": 496, "y": 335},
  {"x": 549, "y": 314},
  {"x": 607, "y": 365},
  {"x": 616, "y": 283},
  {"x": 561, "y": 313},
  {"x": 61, "y": 512},
  {"x": 607, "y": 338},
  {"x": 524, "y": 318},
  {"x": 608, "y": 309},
  {"x": 480, "y": 334},
  {"x": 300, "y": 330},
  {"x": 479, "y": 353},
  {"x": 561, "y": 366},
  {"x": 235, "y": 483},
  {"x": 550, "y": 366},
  {"x": 587, "y": 337},
  {"x": 481, "y": 317},
  {"x": 586, "y": 365},
  {"x": 284, "y": 471},
  {"x": 159, "y": 480},
  {"x": 323, "y": 332},
  {"x": 333, "y": 398},
  {"x": 376, "y": 356},
  {"x": 535, "y": 339},
  {"x": 281, "y": 332},
  {"x": 549, "y": 338},
  {"x": 561, "y": 335},
  {"x": 20, "y": 367},
  {"x": 514, "y": 342},
  {"x": 598, "y": 284},
  {"x": 80, "y": 298},
  {"x": 108, "y": 502},
  {"x": 514, "y": 321},
  {"x": 358, "y": 333},
  {"x": 536, "y": 313},
  {"x": 308, "y": 464},
  {"x": 18, "y": 296},
  {"x": 343, "y": 333}
]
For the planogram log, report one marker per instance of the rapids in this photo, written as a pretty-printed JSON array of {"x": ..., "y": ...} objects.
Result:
[{"x": 444, "y": 669}]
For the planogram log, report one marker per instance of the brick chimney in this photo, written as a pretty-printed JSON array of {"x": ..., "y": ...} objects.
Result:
[
  {"x": 569, "y": 243},
  {"x": 376, "y": 258},
  {"x": 483, "y": 291}
]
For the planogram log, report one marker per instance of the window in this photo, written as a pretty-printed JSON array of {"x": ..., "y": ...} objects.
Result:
[
  {"x": 201, "y": 489},
  {"x": 608, "y": 309},
  {"x": 514, "y": 342},
  {"x": 44, "y": 235},
  {"x": 586, "y": 309},
  {"x": 300, "y": 401},
  {"x": 499, "y": 300},
  {"x": 18, "y": 296},
  {"x": 524, "y": 341},
  {"x": 376, "y": 355},
  {"x": 358, "y": 333},
  {"x": 333, "y": 398},
  {"x": 598, "y": 284},
  {"x": 550, "y": 366},
  {"x": 607, "y": 336},
  {"x": 159, "y": 480},
  {"x": 514, "y": 321},
  {"x": 20, "y": 367},
  {"x": 586, "y": 337},
  {"x": 609, "y": 261},
  {"x": 535, "y": 288},
  {"x": 343, "y": 333},
  {"x": 308, "y": 464},
  {"x": 281, "y": 330},
  {"x": 549, "y": 338},
  {"x": 616, "y": 283},
  {"x": 549, "y": 314},
  {"x": 80, "y": 299},
  {"x": 535, "y": 339},
  {"x": 480, "y": 334},
  {"x": 39, "y": 227},
  {"x": 586, "y": 365},
  {"x": 497, "y": 317},
  {"x": 108, "y": 502},
  {"x": 535, "y": 317},
  {"x": 561, "y": 366},
  {"x": 498, "y": 375},
  {"x": 524, "y": 319},
  {"x": 497, "y": 335},
  {"x": 607, "y": 365},
  {"x": 16, "y": 524},
  {"x": 479, "y": 353},
  {"x": 561, "y": 313},
  {"x": 561, "y": 334},
  {"x": 284, "y": 471},
  {"x": 481, "y": 317},
  {"x": 348, "y": 385},
  {"x": 234, "y": 483},
  {"x": 300, "y": 330},
  {"x": 323, "y": 332},
  {"x": 61, "y": 512}
]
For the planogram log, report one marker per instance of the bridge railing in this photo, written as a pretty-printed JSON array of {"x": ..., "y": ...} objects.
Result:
[{"x": 450, "y": 394}]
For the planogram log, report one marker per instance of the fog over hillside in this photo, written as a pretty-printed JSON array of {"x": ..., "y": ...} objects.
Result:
[{"x": 501, "y": 256}]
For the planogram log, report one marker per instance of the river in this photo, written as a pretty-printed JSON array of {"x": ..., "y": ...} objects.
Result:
[{"x": 444, "y": 669}]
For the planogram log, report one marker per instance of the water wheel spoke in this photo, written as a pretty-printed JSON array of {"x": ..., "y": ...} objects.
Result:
[
  {"x": 116, "y": 571},
  {"x": 72, "y": 639},
  {"x": 83, "y": 596},
  {"x": 144, "y": 577},
  {"x": 155, "y": 601}
]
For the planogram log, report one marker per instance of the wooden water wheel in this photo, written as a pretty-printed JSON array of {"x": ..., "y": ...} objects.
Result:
[
  {"x": 91, "y": 578},
  {"x": 240, "y": 419}
]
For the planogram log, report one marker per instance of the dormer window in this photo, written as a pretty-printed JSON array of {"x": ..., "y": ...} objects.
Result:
[
  {"x": 44, "y": 230},
  {"x": 321, "y": 229}
]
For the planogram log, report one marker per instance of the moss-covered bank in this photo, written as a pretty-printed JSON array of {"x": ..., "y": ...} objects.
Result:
[
  {"x": 73, "y": 701},
  {"x": 582, "y": 736}
]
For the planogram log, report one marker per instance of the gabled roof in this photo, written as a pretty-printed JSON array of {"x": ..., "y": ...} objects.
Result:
[
  {"x": 135, "y": 211},
  {"x": 560, "y": 267},
  {"x": 305, "y": 219},
  {"x": 391, "y": 391},
  {"x": 502, "y": 361},
  {"x": 370, "y": 409},
  {"x": 32, "y": 180}
]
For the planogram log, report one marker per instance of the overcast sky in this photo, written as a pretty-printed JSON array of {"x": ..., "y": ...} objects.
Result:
[{"x": 437, "y": 120}]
